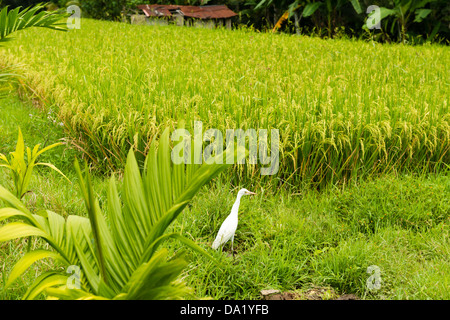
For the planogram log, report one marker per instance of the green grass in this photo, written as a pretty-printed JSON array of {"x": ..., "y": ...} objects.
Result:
[
  {"x": 286, "y": 242},
  {"x": 345, "y": 109}
]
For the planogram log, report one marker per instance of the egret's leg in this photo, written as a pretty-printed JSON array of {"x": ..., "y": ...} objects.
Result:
[{"x": 232, "y": 240}]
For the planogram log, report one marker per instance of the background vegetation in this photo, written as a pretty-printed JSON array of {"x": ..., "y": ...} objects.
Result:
[{"x": 413, "y": 21}]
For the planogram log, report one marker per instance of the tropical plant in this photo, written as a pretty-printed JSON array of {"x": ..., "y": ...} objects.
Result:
[
  {"x": 403, "y": 12},
  {"x": 277, "y": 7},
  {"x": 329, "y": 9},
  {"x": 22, "y": 170},
  {"x": 116, "y": 253},
  {"x": 349, "y": 15},
  {"x": 400, "y": 14},
  {"x": 17, "y": 19}
]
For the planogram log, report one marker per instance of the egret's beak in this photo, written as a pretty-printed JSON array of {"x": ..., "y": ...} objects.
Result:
[{"x": 250, "y": 192}]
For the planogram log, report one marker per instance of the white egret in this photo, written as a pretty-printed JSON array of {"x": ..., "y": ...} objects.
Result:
[{"x": 229, "y": 226}]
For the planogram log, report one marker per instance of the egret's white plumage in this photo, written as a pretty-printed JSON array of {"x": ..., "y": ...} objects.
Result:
[{"x": 229, "y": 226}]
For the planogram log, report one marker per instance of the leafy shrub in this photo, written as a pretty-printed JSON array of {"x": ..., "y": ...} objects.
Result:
[{"x": 103, "y": 9}]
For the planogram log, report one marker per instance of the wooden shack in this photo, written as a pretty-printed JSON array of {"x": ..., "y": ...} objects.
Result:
[{"x": 200, "y": 16}]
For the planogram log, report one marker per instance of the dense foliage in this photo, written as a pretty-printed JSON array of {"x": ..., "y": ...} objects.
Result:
[
  {"x": 19, "y": 3},
  {"x": 400, "y": 19},
  {"x": 414, "y": 21}
]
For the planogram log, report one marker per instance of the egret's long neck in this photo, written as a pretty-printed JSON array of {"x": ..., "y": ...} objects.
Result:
[{"x": 235, "y": 208}]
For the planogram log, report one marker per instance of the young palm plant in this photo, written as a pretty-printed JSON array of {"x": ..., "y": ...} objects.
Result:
[
  {"x": 116, "y": 247},
  {"x": 22, "y": 170}
]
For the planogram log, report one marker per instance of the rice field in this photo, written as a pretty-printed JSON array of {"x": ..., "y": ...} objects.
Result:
[{"x": 344, "y": 109}]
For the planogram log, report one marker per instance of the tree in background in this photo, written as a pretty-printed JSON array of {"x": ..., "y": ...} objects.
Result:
[
  {"x": 19, "y": 3},
  {"x": 415, "y": 20},
  {"x": 400, "y": 19}
]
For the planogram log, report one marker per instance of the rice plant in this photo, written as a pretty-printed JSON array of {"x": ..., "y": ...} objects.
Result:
[{"x": 344, "y": 109}]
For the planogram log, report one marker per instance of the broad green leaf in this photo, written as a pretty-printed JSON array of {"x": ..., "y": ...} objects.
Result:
[
  {"x": 20, "y": 147},
  {"x": 384, "y": 12},
  {"x": 3, "y": 21},
  {"x": 6, "y": 213},
  {"x": 6, "y": 166},
  {"x": 57, "y": 228},
  {"x": 159, "y": 229},
  {"x": 52, "y": 167},
  {"x": 150, "y": 278},
  {"x": 119, "y": 228},
  {"x": 106, "y": 291},
  {"x": 27, "y": 260},
  {"x": 311, "y": 8},
  {"x": 65, "y": 293},
  {"x": 14, "y": 230},
  {"x": 357, "y": 6},
  {"x": 77, "y": 227},
  {"x": 44, "y": 281},
  {"x": 421, "y": 14},
  {"x": 15, "y": 203},
  {"x": 134, "y": 197},
  {"x": 3, "y": 157},
  {"x": 38, "y": 153},
  {"x": 94, "y": 214}
]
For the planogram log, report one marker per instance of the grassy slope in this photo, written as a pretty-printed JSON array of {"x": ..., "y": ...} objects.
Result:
[{"x": 290, "y": 242}]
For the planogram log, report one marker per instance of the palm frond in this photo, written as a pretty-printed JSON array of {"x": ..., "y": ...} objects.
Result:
[{"x": 17, "y": 19}]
